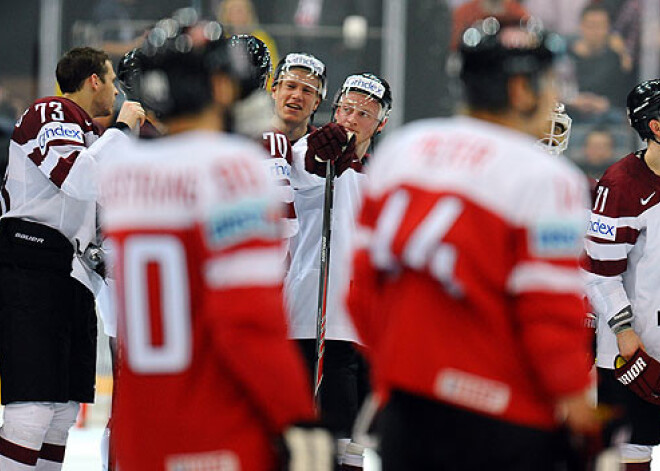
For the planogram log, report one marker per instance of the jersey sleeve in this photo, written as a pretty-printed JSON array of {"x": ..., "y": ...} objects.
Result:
[
  {"x": 278, "y": 146},
  {"x": 243, "y": 273},
  {"x": 546, "y": 283},
  {"x": 611, "y": 234},
  {"x": 54, "y": 135}
]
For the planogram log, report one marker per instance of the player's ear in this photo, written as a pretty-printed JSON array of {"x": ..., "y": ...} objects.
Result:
[
  {"x": 654, "y": 125},
  {"x": 318, "y": 102},
  {"x": 380, "y": 127},
  {"x": 225, "y": 90},
  {"x": 94, "y": 81},
  {"x": 522, "y": 97}
]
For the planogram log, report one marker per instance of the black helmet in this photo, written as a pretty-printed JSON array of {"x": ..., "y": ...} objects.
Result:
[
  {"x": 492, "y": 52},
  {"x": 128, "y": 73},
  {"x": 258, "y": 61},
  {"x": 177, "y": 59},
  {"x": 643, "y": 105},
  {"x": 370, "y": 85},
  {"x": 302, "y": 60}
]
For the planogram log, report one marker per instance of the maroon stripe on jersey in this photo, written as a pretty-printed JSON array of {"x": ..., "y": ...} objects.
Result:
[
  {"x": 52, "y": 452},
  {"x": 624, "y": 235},
  {"x": 36, "y": 156},
  {"x": 5, "y": 197},
  {"x": 290, "y": 211},
  {"x": 18, "y": 453},
  {"x": 605, "y": 268},
  {"x": 62, "y": 169}
]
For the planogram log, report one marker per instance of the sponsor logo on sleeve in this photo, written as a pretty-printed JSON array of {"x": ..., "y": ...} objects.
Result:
[
  {"x": 231, "y": 224},
  {"x": 556, "y": 239},
  {"x": 602, "y": 227},
  {"x": 56, "y": 130},
  {"x": 279, "y": 168}
]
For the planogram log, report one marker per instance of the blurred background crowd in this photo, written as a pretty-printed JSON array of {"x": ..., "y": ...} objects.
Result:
[{"x": 612, "y": 44}]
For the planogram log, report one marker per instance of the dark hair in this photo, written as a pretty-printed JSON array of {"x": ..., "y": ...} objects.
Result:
[
  {"x": 597, "y": 8},
  {"x": 77, "y": 65},
  {"x": 492, "y": 53}
]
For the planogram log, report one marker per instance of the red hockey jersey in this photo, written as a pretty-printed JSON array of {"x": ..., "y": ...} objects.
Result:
[
  {"x": 207, "y": 377},
  {"x": 466, "y": 282}
]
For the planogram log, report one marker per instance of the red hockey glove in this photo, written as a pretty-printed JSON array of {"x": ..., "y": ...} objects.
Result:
[
  {"x": 329, "y": 142},
  {"x": 641, "y": 374}
]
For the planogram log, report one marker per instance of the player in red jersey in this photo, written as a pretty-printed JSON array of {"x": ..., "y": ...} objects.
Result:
[
  {"x": 47, "y": 280},
  {"x": 467, "y": 285},
  {"x": 207, "y": 378}
]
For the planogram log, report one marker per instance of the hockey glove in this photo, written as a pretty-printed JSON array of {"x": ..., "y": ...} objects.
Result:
[
  {"x": 309, "y": 448},
  {"x": 329, "y": 142},
  {"x": 640, "y": 374}
]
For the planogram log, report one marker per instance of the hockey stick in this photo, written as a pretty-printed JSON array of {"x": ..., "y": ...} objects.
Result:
[{"x": 324, "y": 274}]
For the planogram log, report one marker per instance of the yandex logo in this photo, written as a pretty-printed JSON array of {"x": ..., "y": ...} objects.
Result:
[
  {"x": 602, "y": 227},
  {"x": 64, "y": 131},
  {"x": 370, "y": 86}
]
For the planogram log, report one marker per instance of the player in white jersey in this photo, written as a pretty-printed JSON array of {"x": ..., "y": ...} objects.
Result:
[
  {"x": 194, "y": 225},
  {"x": 360, "y": 109},
  {"x": 48, "y": 229},
  {"x": 467, "y": 285},
  {"x": 623, "y": 255}
]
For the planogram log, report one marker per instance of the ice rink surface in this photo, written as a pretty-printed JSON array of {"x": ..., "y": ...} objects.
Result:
[{"x": 83, "y": 452}]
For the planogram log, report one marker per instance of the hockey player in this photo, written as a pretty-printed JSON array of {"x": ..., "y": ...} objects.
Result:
[
  {"x": 201, "y": 326},
  {"x": 275, "y": 142},
  {"x": 47, "y": 280},
  {"x": 360, "y": 109},
  {"x": 467, "y": 289},
  {"x": 299, "y": 86},
  {"x": 622, "y": 259}
]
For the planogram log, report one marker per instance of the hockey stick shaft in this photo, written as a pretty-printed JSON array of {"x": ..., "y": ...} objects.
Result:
[{"x": 321, "y": 314}]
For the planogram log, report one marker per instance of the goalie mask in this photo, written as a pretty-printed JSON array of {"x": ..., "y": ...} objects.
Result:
[
  {"x": 316, "y": 72},
  {"x": 555, "y": 141},
  {"x": 370, "y": 89}
]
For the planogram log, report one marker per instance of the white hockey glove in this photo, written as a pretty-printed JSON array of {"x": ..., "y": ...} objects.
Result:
[{"x": 309, "y": 449}]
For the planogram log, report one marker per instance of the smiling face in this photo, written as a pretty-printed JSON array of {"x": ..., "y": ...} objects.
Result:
[
  {"x": 360, "y": 114},
  {"x": 296, "y": 96}
]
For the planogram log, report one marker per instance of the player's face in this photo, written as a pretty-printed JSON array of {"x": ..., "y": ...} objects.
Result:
[
  {"x": 296, "y": 96},
  {"x": 359, "y": 114},
  {"x": 106, "y": 92}
]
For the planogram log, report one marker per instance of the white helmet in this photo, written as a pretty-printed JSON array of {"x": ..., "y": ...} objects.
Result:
[{"x": 556, "y": 140}]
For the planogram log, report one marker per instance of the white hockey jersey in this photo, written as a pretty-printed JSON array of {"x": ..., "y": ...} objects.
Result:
[
  {"x": 51, "y": 175},
  {"x": 623, "y": 254},
  {"x": 302, "y": 282}
]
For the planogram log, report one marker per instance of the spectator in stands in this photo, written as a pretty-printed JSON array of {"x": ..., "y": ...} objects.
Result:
[
  {"x": 239, "y": 17},
  {"x": 473, "y": 10},
  {"x": 601, "y": 70},
  {"x": 598, "y": 152},
  {"x": 560, "y": 16},
  {"x": 118, "y": 34}
]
